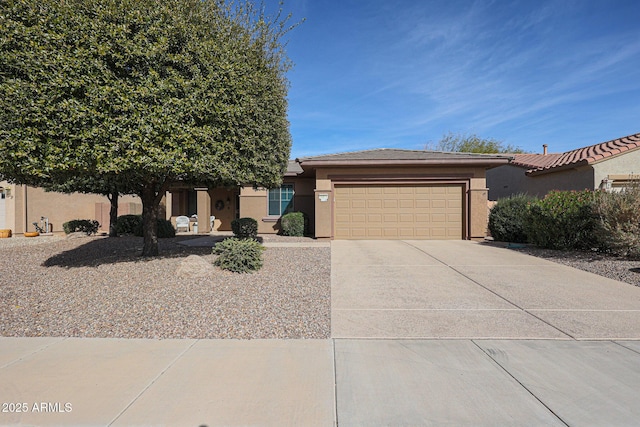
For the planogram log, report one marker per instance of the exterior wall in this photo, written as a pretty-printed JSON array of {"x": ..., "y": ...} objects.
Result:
[
  {"x": 254, "y": 204},
  {"x": 475, "y": 211},
  {"x": 27, "y": 204},
  {"x": 626, "y": 164},
  {"x": 508, "y": 180}
]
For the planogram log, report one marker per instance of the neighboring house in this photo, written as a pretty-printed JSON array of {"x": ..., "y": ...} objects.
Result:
[
  {"x": 608, "y": 165},
  {"x": 373, "y": 194}
]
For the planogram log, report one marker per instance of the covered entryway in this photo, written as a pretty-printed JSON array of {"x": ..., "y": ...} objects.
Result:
[{"x": 399, "y": 211}]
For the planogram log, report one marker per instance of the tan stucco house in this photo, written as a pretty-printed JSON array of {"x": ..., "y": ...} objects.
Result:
[
  {"x": 372, "y": 194},
  {"x": 608, "y": 165}
]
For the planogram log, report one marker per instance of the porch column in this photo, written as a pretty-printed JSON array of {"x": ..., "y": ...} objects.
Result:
[
  {"x": 479, "y": 213},
  {"x": 203, "y": 210},
  {"x": 168, "y": 200}
]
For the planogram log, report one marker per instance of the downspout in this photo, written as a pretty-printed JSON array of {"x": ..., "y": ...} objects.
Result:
[{"x": 24, "y": 207}]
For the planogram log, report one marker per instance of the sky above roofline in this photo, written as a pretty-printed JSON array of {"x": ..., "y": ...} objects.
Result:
[{"x": 402, "y": 74}]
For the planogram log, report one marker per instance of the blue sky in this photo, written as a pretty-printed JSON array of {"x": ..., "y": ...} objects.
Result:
[{"x": 402, "y": 73}]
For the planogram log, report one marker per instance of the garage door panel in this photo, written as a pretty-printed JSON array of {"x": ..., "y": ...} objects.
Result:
[{"x": 398, "y": 211}]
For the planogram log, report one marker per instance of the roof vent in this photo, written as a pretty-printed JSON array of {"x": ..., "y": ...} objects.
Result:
[{"x": 544, "y": 149}]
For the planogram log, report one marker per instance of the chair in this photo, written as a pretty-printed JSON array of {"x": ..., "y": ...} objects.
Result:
[{"x": 182, "y": 222}]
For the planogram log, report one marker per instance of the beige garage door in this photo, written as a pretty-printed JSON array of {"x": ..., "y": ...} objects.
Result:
[{"x": 398, "y": 212}]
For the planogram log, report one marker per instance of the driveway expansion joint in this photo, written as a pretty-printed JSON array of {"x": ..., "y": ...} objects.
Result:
[{"x": 506, "y": 371}]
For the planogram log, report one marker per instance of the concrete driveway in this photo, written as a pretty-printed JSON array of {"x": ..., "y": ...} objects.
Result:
[{"x": 462, "y": 289}]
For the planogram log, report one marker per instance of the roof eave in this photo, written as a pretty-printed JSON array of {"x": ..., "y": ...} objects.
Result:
[
  {"x": 496, "y": 161},
  {"x": 544, "y": 171}
]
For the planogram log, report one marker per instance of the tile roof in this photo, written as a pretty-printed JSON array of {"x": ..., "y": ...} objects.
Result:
[
  {"x": 540, "y": 163},
  {"x": 382, "y": 154}
]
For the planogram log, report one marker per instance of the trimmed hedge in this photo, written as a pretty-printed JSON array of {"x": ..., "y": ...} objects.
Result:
[
  {"x": 507, "y": 219},
  {"x": 86, "y": 226},
  {"x": 562, "y": 220},
  {"x": 294, "y": 224},
  {"x": 129, "y": 225},
  {"x": 238, "y": 255},
  {"x": 245, "y": 228},
  {"x": 132, "y": 225}
]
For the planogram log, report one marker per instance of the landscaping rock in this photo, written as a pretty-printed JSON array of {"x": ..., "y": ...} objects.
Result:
[{"x": 195, "y": 266}]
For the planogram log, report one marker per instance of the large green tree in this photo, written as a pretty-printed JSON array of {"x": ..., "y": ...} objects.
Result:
[
  {"x": 462, "y": 143},
  {"x": 146, "y": 91}
]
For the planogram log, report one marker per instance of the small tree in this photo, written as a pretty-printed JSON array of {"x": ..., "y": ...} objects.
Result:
[
  {"x": 147, "y": 91},
  {"x": 472, "y": 144}
]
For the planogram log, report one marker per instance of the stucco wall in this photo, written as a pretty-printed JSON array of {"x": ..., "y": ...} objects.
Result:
[
  {"x": 27, "y": 204},
  {"x": 627, "y": 163},
  {"x": 254, "y": 204},
  {"x": 508, "y": 180}
]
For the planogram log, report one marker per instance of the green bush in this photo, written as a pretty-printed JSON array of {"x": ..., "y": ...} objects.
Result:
[
  {"x": 165, "y": 229},
  {"x": 132, "y": 225},
  {"x": 508, "y": 217},
  {"x": 238, "y": 255},
  {"x": 562, "y": 220},
  {"x": 129, "y": 225},
  {"x": 245, "y": 228},
  {"x": 87, "y": 226},
  {"x": 618, "y": 222},
  {"x": 294, "y": 224}
]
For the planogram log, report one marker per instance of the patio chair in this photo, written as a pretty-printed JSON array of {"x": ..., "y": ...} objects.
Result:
[{"x": 182, "y": 222}]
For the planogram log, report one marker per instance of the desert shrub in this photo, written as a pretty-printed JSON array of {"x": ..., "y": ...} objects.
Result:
[
  {"x": 618, "y": 222},
  {"x": 132, "y": 225},
  {"x": 129, "y": 225},
  {"x": 238, "y": 255},
  {"x": 87, "y": 226},
  {"x": 245, "y": 228},
  {"x": 294, "y": 224},
  {"x": 562, "y": 220},
  {"x": 508, "y": 217},
  {"x": 165, "y": 229}
]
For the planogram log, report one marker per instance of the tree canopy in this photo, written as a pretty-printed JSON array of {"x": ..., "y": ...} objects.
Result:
[
  {"x": 472, "y": 144},
  {"x": 146, "y": 92}
]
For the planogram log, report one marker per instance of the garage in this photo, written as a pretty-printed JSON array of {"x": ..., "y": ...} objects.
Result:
[
  {"x": 399, "y": 211},
  {"x": 390, "y": 193}
]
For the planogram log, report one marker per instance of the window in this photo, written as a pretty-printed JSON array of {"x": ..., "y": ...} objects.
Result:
[{"x": 281, "y": 200}]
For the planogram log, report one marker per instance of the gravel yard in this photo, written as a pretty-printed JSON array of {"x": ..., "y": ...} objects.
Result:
[{"x": 100, "y": 287}]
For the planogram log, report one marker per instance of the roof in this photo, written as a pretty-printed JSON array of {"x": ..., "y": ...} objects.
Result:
[
  {"x": 540, "y": 163},
  {"x": 396, "y": 156},
  {"x": 293, "y": 168}
]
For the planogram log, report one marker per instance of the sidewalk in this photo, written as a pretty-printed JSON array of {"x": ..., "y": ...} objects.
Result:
[{"x": 115, "y": 382}]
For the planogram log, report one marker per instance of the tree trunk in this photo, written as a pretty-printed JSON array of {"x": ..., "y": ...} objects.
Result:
[
  {"x": 150, "y": 207},
  {"x": 113, "y": 213}
]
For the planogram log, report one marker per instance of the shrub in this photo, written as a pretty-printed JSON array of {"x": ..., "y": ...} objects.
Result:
[
  {"x": 508, "y": 217},
  {"x": 294, "y": 224},
  {"x": 165, "y": 229},
  {"x": 86, "y": 226},
  {"x": 245, "y": 228},
  {"x": 562, "y": 220},
  {"x": 129, "y": 225},
  {"x": 132, "y": 225},
  {"x": 238, "y": 255},
  {"x": 618, "y": 222}
]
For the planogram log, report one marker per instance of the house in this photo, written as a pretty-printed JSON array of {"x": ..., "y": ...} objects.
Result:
[
  {"x": 372, "y": 194},
  {"x": 608, "y": 165}
]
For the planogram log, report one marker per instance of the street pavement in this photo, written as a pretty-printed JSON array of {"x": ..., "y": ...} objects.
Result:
[{"x": 423, "y": 333}]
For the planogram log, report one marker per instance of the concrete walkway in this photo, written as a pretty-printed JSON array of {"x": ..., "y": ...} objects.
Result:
[{"x": 424, "y": 334}]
